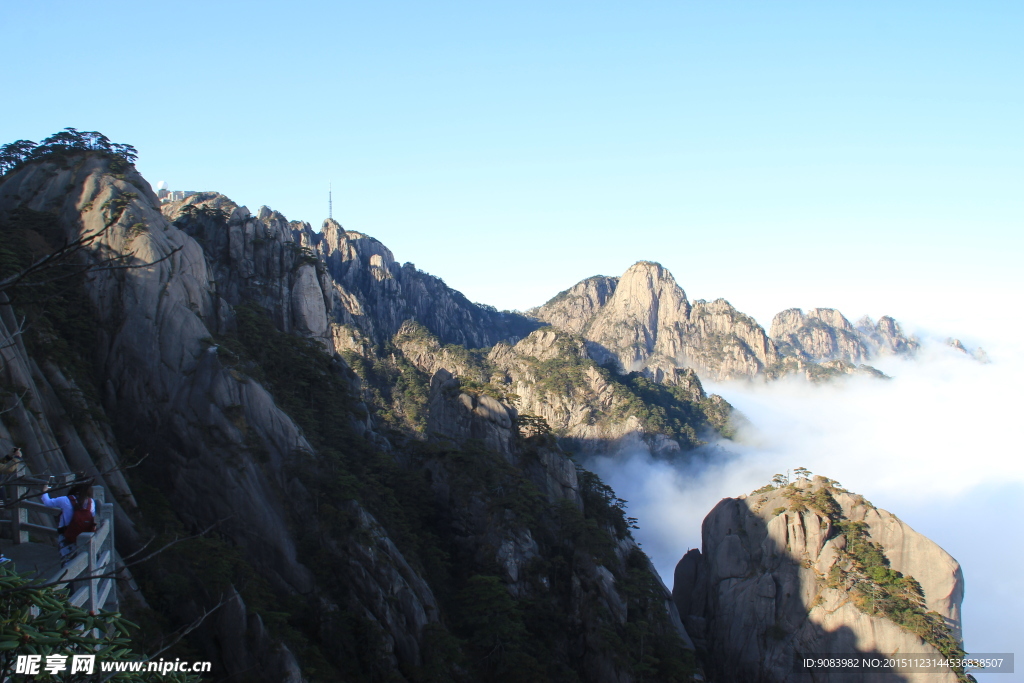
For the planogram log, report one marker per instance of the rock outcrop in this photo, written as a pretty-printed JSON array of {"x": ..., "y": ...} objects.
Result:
[
  {"x": 979, "y": 354},
  {"x": 824, "y": 334},
  {"x": 810, "y": 568},
  {"x": 550, "y": 375},
  {"x": 263, "y": 257},
  {"x": 642, "y": 321}
]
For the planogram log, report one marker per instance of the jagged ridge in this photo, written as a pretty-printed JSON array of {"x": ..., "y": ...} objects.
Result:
[{"x": 643, "y": 322}]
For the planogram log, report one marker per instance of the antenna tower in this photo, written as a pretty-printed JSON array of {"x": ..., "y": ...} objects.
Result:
[{"x": 330, "y": 202}]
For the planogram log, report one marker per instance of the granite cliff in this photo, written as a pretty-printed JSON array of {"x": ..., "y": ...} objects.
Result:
[
  {"x": 642, "y": 321},
  {"x": 382, "y": 509},
  {"x": 550, "y": 375},
  {"x": 825, "y": 334},
  {"x": 810, "y": 568},
  {"x": 331, "y": 283}
]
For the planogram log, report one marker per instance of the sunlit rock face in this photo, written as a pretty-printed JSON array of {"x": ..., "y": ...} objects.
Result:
[
  {"x": 779, "y": 575},
  {"x": 824, "y": 334},
  {"x": 642, "y": 321},
  {"x": 361, "y": 285}
]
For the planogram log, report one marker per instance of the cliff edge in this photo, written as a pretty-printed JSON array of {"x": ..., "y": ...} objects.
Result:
[{"x": 810, "y": 568}]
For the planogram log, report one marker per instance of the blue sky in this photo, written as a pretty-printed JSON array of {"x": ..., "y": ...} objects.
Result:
[{"x": 778, "y": 154}]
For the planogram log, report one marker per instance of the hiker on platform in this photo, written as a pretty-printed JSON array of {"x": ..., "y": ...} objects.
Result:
[{"x": 77, "y": 516}]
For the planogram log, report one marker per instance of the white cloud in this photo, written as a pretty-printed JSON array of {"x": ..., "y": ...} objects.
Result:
[{"x": 938, "y": 445}]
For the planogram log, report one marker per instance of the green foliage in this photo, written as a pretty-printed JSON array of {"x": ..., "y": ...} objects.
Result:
[
  {"x": 60, "y": 323},
  {"x": 821, "y": 499},
  {"x": 60, "y": 146},
  {"x": 653, "y": 653},
  {"x": 603, "y": 505},
  {"x": 824, "y": 372},
  {"x": 411, "y": 387},
  {"x": 59, "y": 628},
  {"x": 442, "y": 655},
  {"x": 399, "y": 390},
  {"x": 302, "y": 255},
  {"x": 797, "y": 499},
  {"x": 491, "y": 622},
  {"x": 562, "y": 375},
  {"x": 661, "y": 408},
  {"x": 193, "y": 212},
  {"x": 719, "y": 414},
  {"x": 534, "y": 432},
  {"x": 878, "y": 589},
  {"x": 116, "y": 206},
  {"x": 305, "y": 379}
]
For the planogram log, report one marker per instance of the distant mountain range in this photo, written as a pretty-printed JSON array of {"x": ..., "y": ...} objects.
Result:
[{"x": 386, "y": 463}]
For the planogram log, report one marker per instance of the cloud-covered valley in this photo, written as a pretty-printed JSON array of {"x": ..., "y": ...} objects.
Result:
[{"x": 938, "y": 445}]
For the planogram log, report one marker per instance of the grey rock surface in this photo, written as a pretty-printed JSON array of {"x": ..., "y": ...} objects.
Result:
[
  {"x": 774, "y": 580},
  {"x": 824, "y": 334},
  {"x": 643, "y": 321}
]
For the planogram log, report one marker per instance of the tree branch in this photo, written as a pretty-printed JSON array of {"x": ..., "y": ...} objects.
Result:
[
  {"x": 51, "y": 259},
  {"x": 19, "y": 329},
  {"x": 112, "y": 574},
  {"x": 194, "y": 625},
  {"x": 16, "y": 403}
]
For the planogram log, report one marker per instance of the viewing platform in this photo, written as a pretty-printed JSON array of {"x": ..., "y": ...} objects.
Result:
[{"x": 31, "y": 546}]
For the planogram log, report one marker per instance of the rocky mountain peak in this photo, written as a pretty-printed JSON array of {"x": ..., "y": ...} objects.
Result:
[
  {"x": 824, "y": 334},
  {"x": 821, "y": 334},
  {"x": 641, "y": 318},
  {"x": 573, "y": 309},
  {"x": 648, "y": 293},
  {"x": 642, "y": 321},
  {"x": 811, "y": 567}
]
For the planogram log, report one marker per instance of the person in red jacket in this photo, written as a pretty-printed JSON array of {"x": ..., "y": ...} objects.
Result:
[{"x": 77, "y": 515}]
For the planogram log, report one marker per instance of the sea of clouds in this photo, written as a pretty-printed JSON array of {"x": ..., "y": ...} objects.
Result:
[{"x": 938, "y": 445}]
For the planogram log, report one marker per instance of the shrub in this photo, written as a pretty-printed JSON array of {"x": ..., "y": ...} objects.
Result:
[{"x": 41, "y": 621}]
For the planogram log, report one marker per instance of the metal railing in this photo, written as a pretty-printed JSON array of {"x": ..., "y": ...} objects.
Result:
[{"x": 94, "y": 555}]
